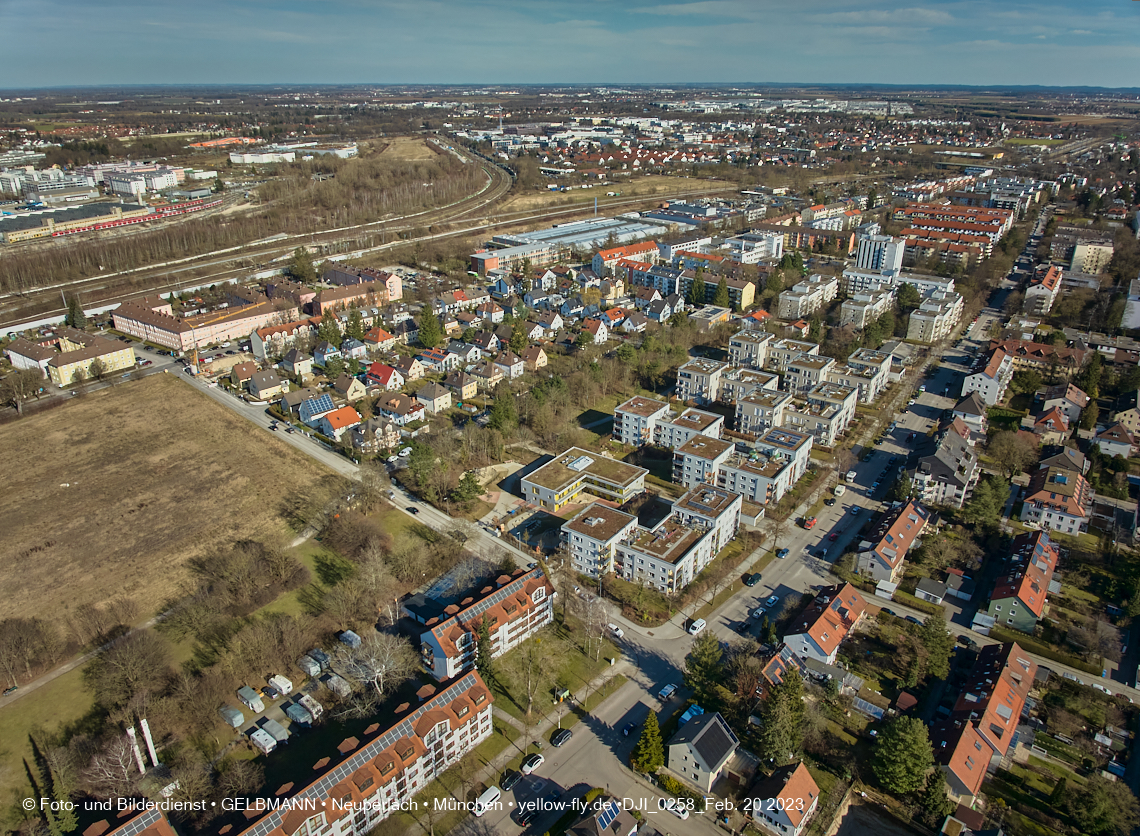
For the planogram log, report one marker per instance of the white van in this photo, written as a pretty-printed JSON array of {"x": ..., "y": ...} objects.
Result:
[
  {"x": 696, "y": 626},
  {"x": 840, "y": 490},
  {"x": 487, "y": 800}
]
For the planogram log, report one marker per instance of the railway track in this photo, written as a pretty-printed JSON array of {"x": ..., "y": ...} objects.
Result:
[{"x": 237, "y": 262}]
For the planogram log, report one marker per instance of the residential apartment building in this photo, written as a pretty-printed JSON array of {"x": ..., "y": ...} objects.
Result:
[
  {"x": 605, "y": 260},
  {"x": 754, "y": 247},
  {"x": 699, "y": 380},
  {"x": 882, "y": 552},
  {"x": 865, "y": 307},
  {"x": 936, "y": 317},
  {"x": 592, "y": 537},
  {"x": 783, "y": 352},
  {"x": 1058, "y": 499},
  {"x": 1019, "y": 596},
  {"x": 512, "y": 607},
  {"x": 674, "y": 432},
  {"x": 971, "y": 410},
  {"x": 761, "y": 411},
  {"x": 880, "y": 254},
  {"x": 991, "y": 381},
  {"x": 635, "y": 421},
  {"x": 701, "y": 749},
  {"x": 806, "y": 372},
  {"x": 983, "y": 724},
  {"x": 85, "y": 356},
  {"x": 867, "y": 371},
  {"x": 741, "y": 293},
  {"x": 804, "y": 298},
  {"x": 559, "y": 482},
  {"x": 780, "y": 458},
  {"x": 1043, "y": 290},
  {"x": 672, "y": 553},
  {"x": 821, "y": 626},
  {"x": 1071, "y": 400},
  {"x": 948, "y": 476},
  {"x": 749, "y": 349},
  {"x": 1115, "y": 440},
  {"x": 825, "y": 415},
  {"x": 1043, "y": 358},
  {"x": 698, "y": 459},
  {"x": 739, "y": 383},
  {"x": 1091, "y": 256}
]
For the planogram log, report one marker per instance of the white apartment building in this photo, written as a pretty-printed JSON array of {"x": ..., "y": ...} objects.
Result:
[
  {"x": 866, "y": 307},
  {"x": 675, "y": 432},
  {"x": 855, "y": 280},
  {"x": 560, "y": 481},
  {"x": 880, "y": 254},
  {"x": 778, "y": 461},
  {"x": 750, "y": 349},
  {"x": 804, "y": 298},
  {"x": 875, "y": 368},
  {"x": 948, "y": 476},
  {"x": 806, "y": 372},
  {"x": 699, "y": 380},
  {"x": 739, "y": 383},
  {"x": 991, "y": 381},
  {"x": 592, "y": 537},
  {"x": 1043, "y": 291},
  {"x": 783, "y": 352},
  {"x": 825, "y": 415},
  {"x": 696, "y": 461},
  {"x": 635, "y": 421},
  {"x": 761, "y": 411},
  {"x": 754, "y": 247},
  {"x": 936, "y": 317}
]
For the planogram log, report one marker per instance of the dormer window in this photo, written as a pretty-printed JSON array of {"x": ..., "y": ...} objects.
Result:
[{"x": 539, "y": 595}]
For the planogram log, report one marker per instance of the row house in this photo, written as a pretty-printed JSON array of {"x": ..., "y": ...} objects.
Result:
[
  {"x": 982, "y": 726},
  {"x": 513, "y": 607},
  {"x": 354, "y": 276},
  {"x": 1043, "y": 358},
  {"x": 366, "y": 294}
]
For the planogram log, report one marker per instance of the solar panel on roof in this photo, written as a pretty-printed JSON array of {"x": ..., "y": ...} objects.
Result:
[{"x": 609, "y": 813}]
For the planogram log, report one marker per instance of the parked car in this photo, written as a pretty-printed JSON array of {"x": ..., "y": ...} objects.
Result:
[
  {"x": 829, "y": 501},
  {"x": 913, "y": 620},
  {"x": 525, "y": 815},
  {"x": 772, "y": 601},
  {"x": 531, "y": 763},
  {"x": 617, "y": 631},
  {"x": 510, "y": 778},
  {"x": 561, "y": 737},
  {"x": 628, "y": 729},
  {"x": 11, "y": 689},
  {"x": 744, "y": 627},
  {"x": 752, "y": 579},
  {"x": 666, "y": 692},
  {"x": 782, "y": 553}
]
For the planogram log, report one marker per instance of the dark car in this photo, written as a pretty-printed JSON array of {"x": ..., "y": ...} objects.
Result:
[
  {"x": 628, "y": 729},
  {"x": 510, "y": 778},
  {"x": 525, "y": 816},
  {"x": 752, "y": 579},
  {"x": 829, "y": 502},
  {"x": 888, "y": 611},
  {"x": 744, "y": 627},
  {"x": 913, "y": 620},
  {"x": 553, "y": 797},
  {"x": 911, "y": 437},
  {"x": 560, "y": 737},
  {"x": 967, "y": 641},
  {"x": 868, "y": 457},
  {"x": 411, "y": 509},
  {"x": 834, "y": 536}
]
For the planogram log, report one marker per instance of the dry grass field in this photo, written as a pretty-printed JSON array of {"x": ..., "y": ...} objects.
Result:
[
  {"x": 410, "y": 148},
  {"x": 110, "y": 495},
  {"x": 643, "y": 186}
]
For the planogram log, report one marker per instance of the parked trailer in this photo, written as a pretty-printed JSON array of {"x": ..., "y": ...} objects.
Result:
[
  {"x": 281, "y": 684},
  {"x": 232, "y": 716},
  {"x": 350, "y": 638},
  {"x": 312, "y": 706},
  {"x": 276, "y": 730},
  {"x": 337, "y": 685},
  {"x": 320, "y": 657},
  {"x": 298, "y": 714},
  {"x": 309, "y": 666},
  {"x": 262, "y": 740},
  {"x": 250, "y": 699}
]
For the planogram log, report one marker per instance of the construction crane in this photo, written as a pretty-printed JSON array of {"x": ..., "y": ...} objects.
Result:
[{"x": 194, "y": 351}]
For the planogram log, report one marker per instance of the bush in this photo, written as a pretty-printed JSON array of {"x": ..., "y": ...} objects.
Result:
[{"x": 906, "y": 599}]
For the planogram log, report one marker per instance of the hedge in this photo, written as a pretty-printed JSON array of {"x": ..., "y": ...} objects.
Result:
[
  {"x": 1033, "y": 645},
  {"x": 914, "y": 603}
]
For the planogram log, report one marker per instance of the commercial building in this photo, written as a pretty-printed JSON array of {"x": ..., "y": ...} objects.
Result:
[
  {"x": 559, "y": 482},
  {"x": 1019, "y": 596},
  {"x": 883, "y": 550},
  {"x": 1058, "y": 499},
  {"x": 804, "y": 298},
  {"x": 549, "y": 246},
  {"x": 990, "y": 381},
  {"x": 51, "y": 223},
  {"x": 512, "y": 607},
  {"x": 698, "y": 380},
  {"x": 635, "y": 421}
]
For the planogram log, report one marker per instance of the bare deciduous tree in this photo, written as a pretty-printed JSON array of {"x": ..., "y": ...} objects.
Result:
[
  {"x": 20, "y": 386},
  {"x": 381, "y": 663},
  {"x": 112, "y": 771}
]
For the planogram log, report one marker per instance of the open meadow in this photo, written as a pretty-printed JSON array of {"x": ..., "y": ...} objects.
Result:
[{"x": 109, "y": 496}]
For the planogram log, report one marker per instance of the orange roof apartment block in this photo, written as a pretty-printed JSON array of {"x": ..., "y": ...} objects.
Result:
[
  {"x": 825, "y": 622},
  {"x": 604, "y": 260},
  {"x": 1018, "y": 597},
  {"x": 513, "y": 608},
  {"x": 883, "y": 552}
]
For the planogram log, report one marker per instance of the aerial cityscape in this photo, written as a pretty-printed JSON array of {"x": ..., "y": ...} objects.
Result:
[{"x": 570, "y": 420}]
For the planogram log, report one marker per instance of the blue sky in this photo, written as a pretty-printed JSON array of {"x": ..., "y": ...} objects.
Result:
[{"x": 1051, "y": 42}]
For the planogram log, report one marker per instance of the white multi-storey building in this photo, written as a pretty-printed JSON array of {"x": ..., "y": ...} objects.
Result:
[
  {"x": 991, "y": 381},
  {"x": 804, "y": 298},
  {"x": 936, "y": 317},
  {"x": 739, "y": 383},
  {"x": 780, "y": 458},
  {"x": 635, "y": 421},
  {"x": 875, "y": 366},
  {"x": 806, "y": 372},
  {"x": 699, "y": 380},
  {"x": 696, "y": 461},
  {"x": 754, "y": 247},
  {"x": 880, "y": 254},
  {"x": 750, "y": 348},
  {"x": 827, "y": 413},
  {"x": 592, "y": 537},
  {"x": 783, "y": 352},
  {"x": 866, "y": 307},
  {"x": 674, "y": 432},
  {"x": 761, "y": 411}
]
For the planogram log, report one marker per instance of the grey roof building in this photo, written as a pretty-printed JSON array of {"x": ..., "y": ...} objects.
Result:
[{"x": 701, "y": 749}]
